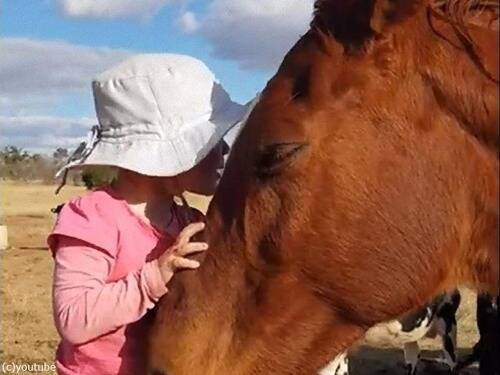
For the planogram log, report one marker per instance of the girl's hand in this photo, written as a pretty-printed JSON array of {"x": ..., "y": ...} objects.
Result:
[{"x": 173, "y": 258}]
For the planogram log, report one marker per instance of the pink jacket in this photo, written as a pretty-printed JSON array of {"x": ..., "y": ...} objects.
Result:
[{"x": 106, "y": 278}]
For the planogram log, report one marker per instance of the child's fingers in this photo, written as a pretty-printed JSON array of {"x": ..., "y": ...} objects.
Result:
[
  {"x": 189, "y": 231},
  {"x": 192, "y": 247},
  {"x": 183, "y": 263}
]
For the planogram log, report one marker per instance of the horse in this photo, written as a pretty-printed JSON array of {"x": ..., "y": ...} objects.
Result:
[{"x": 363, "y": 184}]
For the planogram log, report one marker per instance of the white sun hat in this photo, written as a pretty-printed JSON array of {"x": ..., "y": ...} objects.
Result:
[{"x": 158, "y": 115}]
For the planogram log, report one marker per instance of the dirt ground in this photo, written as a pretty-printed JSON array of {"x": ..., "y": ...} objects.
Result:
[{"x": 27, "y": 331}]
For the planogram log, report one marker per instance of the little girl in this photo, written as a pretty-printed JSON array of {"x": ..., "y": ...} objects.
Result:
[{"x": 161, "y": 123}]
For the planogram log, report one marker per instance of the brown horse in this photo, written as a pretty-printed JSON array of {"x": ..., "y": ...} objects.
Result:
[{"x": 364, "y": 183}]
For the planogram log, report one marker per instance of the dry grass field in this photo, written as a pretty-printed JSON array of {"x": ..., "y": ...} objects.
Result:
[
  {"x": 27, "y": 331},
  {"x": 28, "y": 334}
]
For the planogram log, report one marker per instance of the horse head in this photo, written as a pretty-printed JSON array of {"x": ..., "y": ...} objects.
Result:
[{"x": 364, "y": 183}]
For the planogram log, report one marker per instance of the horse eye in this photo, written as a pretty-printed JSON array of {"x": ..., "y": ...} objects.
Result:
[{"x": 273, "y": 158}]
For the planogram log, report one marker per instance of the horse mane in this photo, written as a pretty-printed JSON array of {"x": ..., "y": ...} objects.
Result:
[
  {"x": 352, "y": 22},
  {"x": 459, "y": 11},
  {"x": 335, "y": 15},
  {"x": 461, "y": 14}
]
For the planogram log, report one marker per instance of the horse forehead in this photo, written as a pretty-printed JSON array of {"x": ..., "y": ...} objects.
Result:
[
  {"x": 338, "y": 84},
  {"x": 324, "y": 82}
]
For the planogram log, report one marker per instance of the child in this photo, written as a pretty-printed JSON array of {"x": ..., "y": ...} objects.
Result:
[{"x": 161, "y": 123}]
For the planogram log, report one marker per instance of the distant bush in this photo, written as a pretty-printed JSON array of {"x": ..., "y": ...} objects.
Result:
[
  {"x": 19, "y": 164},
  {"x": 95, "y": 177}
]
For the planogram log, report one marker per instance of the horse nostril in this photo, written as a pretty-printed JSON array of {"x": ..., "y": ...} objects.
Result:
[{"x": 157, "y": 372}]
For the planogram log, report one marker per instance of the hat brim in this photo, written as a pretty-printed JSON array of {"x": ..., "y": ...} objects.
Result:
[{"x": 167, "y": 157}]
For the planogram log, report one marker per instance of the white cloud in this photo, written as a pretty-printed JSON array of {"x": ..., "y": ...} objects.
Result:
[
  {"x": 43, "y": 133},
  {"x": 188, "y": 22},
  {"x": 55, "y": 126},
  {"x": 28, "y": 104},
  {"x": 255, "y": 33},
  {"x": 35, "y": 67},
  {"x": 38, "y": 74},
  {"x": 37, "y": 77},
  {"x": 111, "y": 8}
]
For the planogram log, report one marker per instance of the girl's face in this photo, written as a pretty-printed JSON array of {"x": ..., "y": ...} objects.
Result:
[{"x": 203, "y": 178}]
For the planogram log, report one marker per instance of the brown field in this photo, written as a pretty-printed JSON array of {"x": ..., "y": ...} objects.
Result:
[{"x": 27, "y": 331}]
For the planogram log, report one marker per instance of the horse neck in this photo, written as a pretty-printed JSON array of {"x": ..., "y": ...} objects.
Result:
[
  {"x": 201, "y": 311},
  {"x": 246, "y": 320},
  {"x": 235, "y": 318}
]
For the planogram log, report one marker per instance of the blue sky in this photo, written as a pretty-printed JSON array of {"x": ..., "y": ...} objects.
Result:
[{"x": 51, "y": 49}]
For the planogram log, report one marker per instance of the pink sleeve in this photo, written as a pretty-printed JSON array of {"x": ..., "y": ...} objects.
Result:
[
  {"x": 90, "y": 219},
  {"x": 85, "y": 307}
]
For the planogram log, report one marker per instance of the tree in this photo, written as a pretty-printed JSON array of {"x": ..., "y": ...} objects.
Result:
[
  {"x": 19, "y": 164},
  {"x": 13, "y": 154},
  {"x": 60, "y": 154}
]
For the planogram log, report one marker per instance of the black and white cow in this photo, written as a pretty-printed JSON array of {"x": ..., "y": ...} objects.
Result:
[
  {"x": 438, "y": 318},
  {"x": 487, "y": 351}
]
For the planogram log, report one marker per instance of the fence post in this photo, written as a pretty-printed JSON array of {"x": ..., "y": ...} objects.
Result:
[{"x": 4, "y": 238}]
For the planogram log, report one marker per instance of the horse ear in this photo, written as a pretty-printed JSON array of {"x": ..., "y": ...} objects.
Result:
[{"x": 352, "y": 22}]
